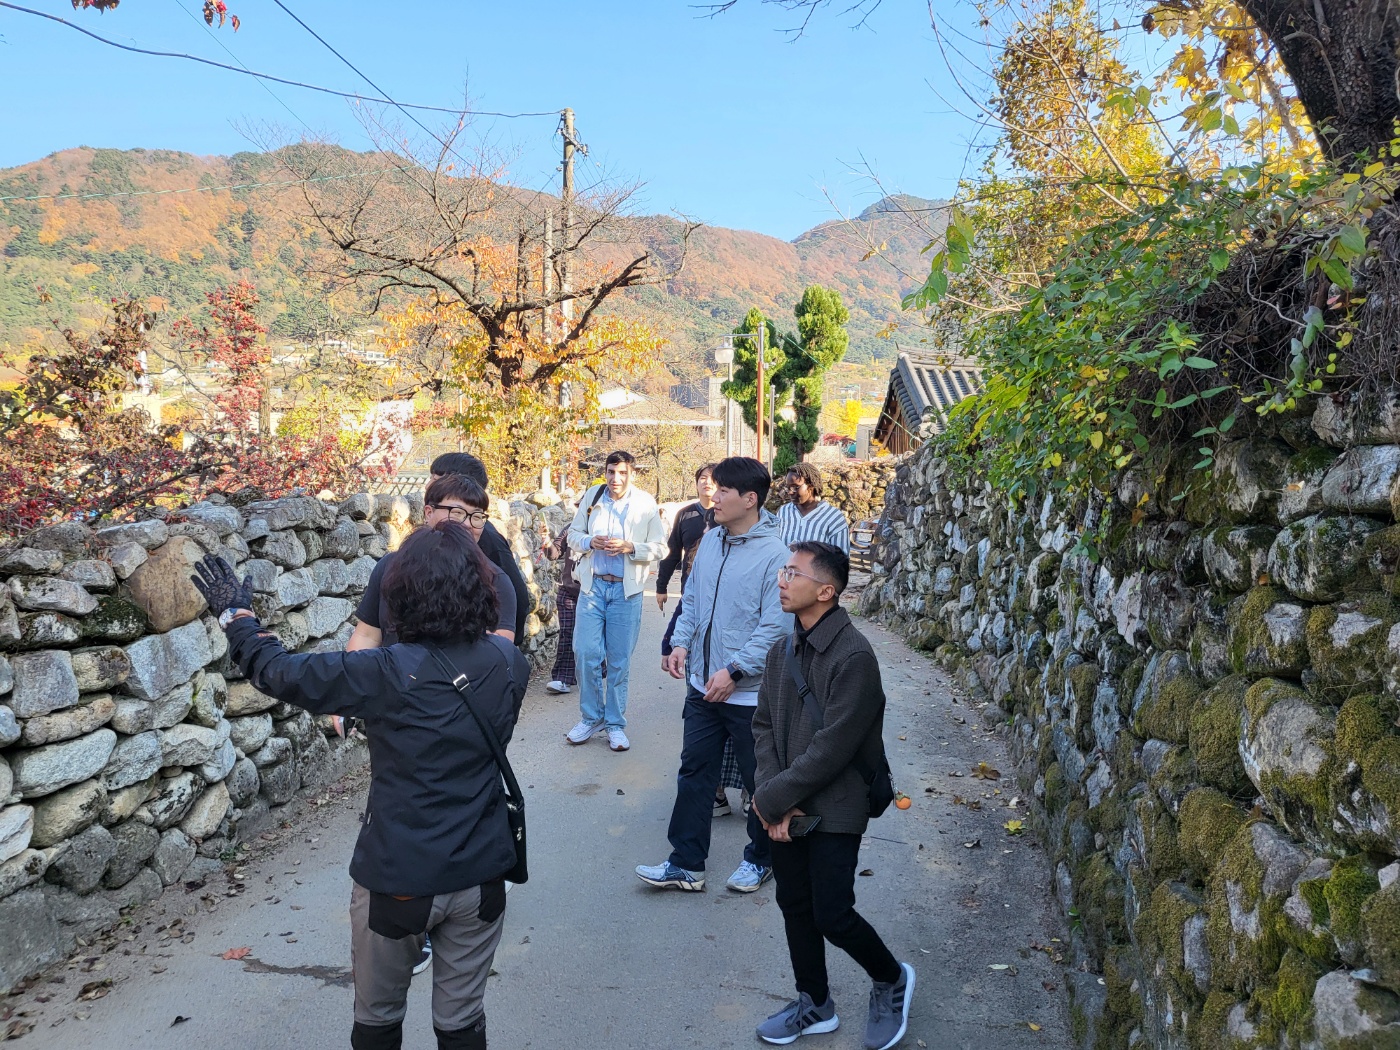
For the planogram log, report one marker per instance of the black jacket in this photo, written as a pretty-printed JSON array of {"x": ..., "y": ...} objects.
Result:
[
  {"x": 495, "y": 547},
  {"x": 813, "y": 769},
  {"x": 435, "y": 821},
  {"x": 686, "y": 531}
]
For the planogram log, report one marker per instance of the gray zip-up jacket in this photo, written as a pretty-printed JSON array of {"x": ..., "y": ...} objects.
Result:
[{"x": 731, "y": 612}]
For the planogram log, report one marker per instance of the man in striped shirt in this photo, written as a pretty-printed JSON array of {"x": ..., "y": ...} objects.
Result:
[{"x": 808, "y": 516}]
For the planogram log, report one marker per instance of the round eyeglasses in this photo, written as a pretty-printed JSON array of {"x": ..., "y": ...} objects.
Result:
[
  {"x": 475, "y": 518},
  {"x": 787, "y": 572}
]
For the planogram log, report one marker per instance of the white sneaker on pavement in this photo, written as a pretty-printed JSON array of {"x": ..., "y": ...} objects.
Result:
[
  {"x": 583, "y": 732},
  {"x": 617, "y": 740},
  {"x": 557, "y": 687}
]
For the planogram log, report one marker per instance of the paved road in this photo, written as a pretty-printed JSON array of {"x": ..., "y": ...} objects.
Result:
[{"x": 591, "y": 957}]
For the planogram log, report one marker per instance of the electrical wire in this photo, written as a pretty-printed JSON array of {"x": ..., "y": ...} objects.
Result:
[
  {"x": 189, "y": 189},
  {"x": 268, "y": 76}
]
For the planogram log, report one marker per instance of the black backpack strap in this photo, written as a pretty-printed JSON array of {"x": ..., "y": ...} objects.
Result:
[
  {"x": 493, "y": 742},
  {"x": 597, "y": 495}
]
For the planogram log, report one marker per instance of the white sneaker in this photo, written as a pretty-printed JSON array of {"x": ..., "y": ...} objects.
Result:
[
  {"x": 583, "y": 732},
  {"x": 617, "y": 740},
  {"x": 557, "y": 687}
]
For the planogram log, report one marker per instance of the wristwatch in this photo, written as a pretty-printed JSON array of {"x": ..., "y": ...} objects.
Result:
[
  {"x": 229, "y": 615},
  {"x": 735, "y": 674}
]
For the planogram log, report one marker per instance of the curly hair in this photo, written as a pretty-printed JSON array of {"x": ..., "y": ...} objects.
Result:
[
  {"x": 441, "y": 587},
  {"x": 810, "y": 474}
]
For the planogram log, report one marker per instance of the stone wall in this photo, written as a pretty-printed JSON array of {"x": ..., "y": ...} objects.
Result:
[
  {"x": 856, "y": 488},
  {"x": 1205, "y": 716},
  {"x": 133, "y": 755}
]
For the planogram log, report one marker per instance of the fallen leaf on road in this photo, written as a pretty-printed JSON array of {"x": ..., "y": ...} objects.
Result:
[
  {"x": 237, "y": 953},
  {"x": 986, "y": 772},
  {"x": 621, "y": 792},
  {"x": 1014, "y": 827},
  {"x": 94, "y": 990},
  {"x": 955, "y": 773},
  {"x": 179, "y": 1019},
  {"x": 998, "y": 966},
  {"x": 866, "y": 871},
  {"x": 1033, "y": 1026},
  {"x": 973, "y": 844},
  {"x": 15, "y": 1029}
]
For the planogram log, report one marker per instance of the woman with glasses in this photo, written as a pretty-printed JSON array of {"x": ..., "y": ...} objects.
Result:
[{"x": 454, "y": 498}]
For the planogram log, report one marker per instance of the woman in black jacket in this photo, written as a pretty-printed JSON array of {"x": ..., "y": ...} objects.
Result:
[{"x": 435, "y": 842}]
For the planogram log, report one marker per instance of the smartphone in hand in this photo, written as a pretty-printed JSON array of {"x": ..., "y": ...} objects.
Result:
[{"x": 803, "y": 824}]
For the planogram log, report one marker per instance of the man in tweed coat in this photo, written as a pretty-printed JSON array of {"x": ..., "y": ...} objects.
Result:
[{"x": 810, "y": 763}]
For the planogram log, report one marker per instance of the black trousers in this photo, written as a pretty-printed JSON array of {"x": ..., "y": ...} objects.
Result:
[
  {"x": 816, "y": 878},
  {"x": 707, "y": 727}
]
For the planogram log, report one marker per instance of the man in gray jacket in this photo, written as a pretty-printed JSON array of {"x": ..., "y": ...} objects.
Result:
[
  {"x": 731, "y": 617},
  {"x": 816, "y": 755}
]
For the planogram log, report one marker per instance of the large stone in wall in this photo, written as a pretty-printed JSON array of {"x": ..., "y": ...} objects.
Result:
[
  {"x": 44, "y": 682},
  {"x": 173, "y": 800},
  {"x": 149, "y": 534},
  {"x": 160, "y": 662},
  {"x": 65, "y": 813},
  {"x": 27, "y": 560},
  {"x": 207, "y": 813},
  {"x": 220, "y": 763},
  {"x": 1361, "y": 479},
  {"x": 1348, "y": 1012},
  {"x": 295, "y": 588},
  {"x": 325, "y": 615},
  {"x": 50, "y": 594},
  {"x": 190, "y": 745},
  {"x": 244, "y": 699},
  {"x": 1237, "y": 558},
  {"x": 16, "y": 829},
  {"x": 116, "y": 619},
  {"x": 1360, "y": 418},
  {"x": 261, "y": 575},
  {"x": 68, "y": 537},
  {"x": 332, "y": 576},
  {"x": 292, "y": 631},
  {"x": 1170, "y": 609},
  {"x": 133, "y": 843},
  {"x": 251, "y": 732},
  {"x": 342, "y": 542},
  {"x": 1247, "y": 478},
  {"x": 283, "y": 548},
  {"x": 222, "y": 519},
  {"x": 1347, "y": 646},
  {"x": 209, "y": 695},
  {"x": 81, "y": 866},
  {"x": 122, "y": 803},
  {"x": 94, "y": 712},
  {"x": 43, "y": 770},
  {"x": 1321, "y": 557},
  {"x": 126, "y": 558},
  {"x": 208, "y": 540},
  {"x": 1163, "y": 700},
  {"x": 1268, "y": 633},
  {"x": 90, "y": 574},
  {"x": 20, "y": 871},
  {"x": 162, "y": 587},
  {"x": 133, "y": 759},
  {"x": 45, "y": 630},
  {"x": 243, "y": 782},
  {"x": 172, "y": 855},
  {"x": 1285, "y": 740},
  {"x": 100, "y": 668}
]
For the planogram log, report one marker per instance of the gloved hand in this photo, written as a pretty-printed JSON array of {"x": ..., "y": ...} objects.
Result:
[{"x": 223, "y": 590}]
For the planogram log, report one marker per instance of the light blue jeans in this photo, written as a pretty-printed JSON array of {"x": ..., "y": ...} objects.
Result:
[{"x": 606, "y": 627}]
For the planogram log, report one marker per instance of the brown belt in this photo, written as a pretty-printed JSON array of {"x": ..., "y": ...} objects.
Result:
[{"x": 607, "y": 577}]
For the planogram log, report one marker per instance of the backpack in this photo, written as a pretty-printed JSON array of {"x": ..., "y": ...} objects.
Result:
[{"x": 878, "y": 777}]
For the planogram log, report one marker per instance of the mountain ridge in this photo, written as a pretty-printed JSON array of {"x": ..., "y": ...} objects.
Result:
[{"x": 167, "y": 226}]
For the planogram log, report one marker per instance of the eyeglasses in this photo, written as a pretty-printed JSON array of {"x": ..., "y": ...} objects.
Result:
[
  {"x": 475, "y": 518},
  {"x": 787, "y": 572}
]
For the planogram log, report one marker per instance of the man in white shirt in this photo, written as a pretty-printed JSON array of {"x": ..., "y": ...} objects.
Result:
[
  {"x": 807, "y": 516},
  {"x": 618, "y": 533}
]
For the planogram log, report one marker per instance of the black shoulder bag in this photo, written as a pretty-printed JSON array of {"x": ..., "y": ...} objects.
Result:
[
  {"x": 515, "y": 801},
  {"x": 877, "y": 778}
]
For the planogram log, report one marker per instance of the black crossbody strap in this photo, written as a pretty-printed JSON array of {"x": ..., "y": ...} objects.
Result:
[
  {"x": 794, "y": 668},
  {"x": 465, "y": 687}
]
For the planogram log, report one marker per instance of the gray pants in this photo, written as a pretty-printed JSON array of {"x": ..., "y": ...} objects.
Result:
[{"x": 463, "y": 947}]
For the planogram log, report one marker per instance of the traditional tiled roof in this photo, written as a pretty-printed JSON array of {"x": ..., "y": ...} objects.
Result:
[{"x": 923, "y": 387}]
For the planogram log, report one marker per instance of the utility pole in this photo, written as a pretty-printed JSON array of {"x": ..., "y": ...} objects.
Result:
[
  {"x": 571, "y": 146},
  {"x": 758, "y": 390},
  {"x": 546, "y": 268}
]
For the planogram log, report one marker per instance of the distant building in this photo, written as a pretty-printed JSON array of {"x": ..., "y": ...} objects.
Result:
[{"x": 923, "y": 387}]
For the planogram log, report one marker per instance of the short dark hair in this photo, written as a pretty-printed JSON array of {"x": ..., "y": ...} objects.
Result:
[
  {"x": 440, "y": 587},
  {"x": 705, "y": 468},
  {"x": 743, "y": 474},
  {"x": 463, "y": 463},
  {"x": 619, "y": 457},
  {"x": 458, "y": 486},
  {"x": 826, "y": 558},
  {"x": 808, "y": 473}
]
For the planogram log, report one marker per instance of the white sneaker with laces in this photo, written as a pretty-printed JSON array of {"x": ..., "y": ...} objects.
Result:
[
  {"x": 617, "y": 740},
  {"x": 557, "y": 687},
  {"x": 583, "y": 732}
]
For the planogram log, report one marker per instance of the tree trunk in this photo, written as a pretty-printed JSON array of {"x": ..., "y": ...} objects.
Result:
[{"x": 1341, "y": 55}]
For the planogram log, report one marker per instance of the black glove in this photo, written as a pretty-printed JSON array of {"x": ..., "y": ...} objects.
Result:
[{"x": 223, "y": 590}]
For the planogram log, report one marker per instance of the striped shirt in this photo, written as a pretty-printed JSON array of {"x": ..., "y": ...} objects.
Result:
[{"x": 823, "y": 523}]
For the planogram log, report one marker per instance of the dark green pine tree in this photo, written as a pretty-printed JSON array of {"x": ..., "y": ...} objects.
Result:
[{"x": 820, "y": 343}]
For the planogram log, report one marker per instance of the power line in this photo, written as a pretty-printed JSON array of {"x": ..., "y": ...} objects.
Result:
[
  {"x": 189, "y": 189},
  {"x": 269, "y": 76}
]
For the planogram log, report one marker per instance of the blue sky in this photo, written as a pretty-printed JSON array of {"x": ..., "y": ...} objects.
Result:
[{"x": 723, "y": 118}]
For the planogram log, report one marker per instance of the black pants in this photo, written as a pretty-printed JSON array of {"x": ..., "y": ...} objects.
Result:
[
  {"x": 816, "y": 878},
  {"x": 707, "y": 727}
]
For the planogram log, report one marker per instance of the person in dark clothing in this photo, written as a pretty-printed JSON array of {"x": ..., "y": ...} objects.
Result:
[
  {"x": 564, "y": 675},
  {"x": 812, "y": 763},
  {"x": 435, "y": 841},
  {"x": 495, "y": 546},
  {"x": 691, "y": 522}
]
